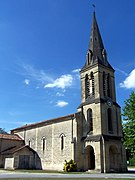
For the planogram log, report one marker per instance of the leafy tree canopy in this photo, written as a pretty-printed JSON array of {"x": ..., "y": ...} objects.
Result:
[
  {"x": 129, "y": 123},
  {"x": 2, "y": 131}
]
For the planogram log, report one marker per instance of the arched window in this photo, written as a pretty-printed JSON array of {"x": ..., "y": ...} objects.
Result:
[
  {"x": 87, "y": 87},
  {"x": 93, "y": 85},
  {"x": 62, "y": 142},
  {"x": 89, "y": 119},
  {"x": 108, "y": 85},
  {"x": 62, "y": 138},
  {"x": 104, "y": 84},
  {"x": 44, "y": 143},
  {"x": 29, "y": 143},
  {"x": 109, "y": 114},
  {"x": 117, "y": 122},
  {"x": 88, "y": 56}
]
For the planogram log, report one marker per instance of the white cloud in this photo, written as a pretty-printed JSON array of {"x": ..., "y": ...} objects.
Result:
[
  {"x": 59, "y": 94},
  {"x": 129, "y": 82},
  {"x": 62, "y": 82},
  {"x": 76, "y": 70},
  {"x": 121, "y": 71},
  {"x": 43, "y": 79},
  {"x": 27, "y": 81},
  {"x": 61, "y": 103},
  {"x": 76, "y": 74},
  {"x": 35, "y": 74}
]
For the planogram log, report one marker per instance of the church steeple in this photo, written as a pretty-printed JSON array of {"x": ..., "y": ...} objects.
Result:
[
  {"x": 95, "y": 44},
  {"x": 100, "y": 113},
  {"x": 96, "y": 52}
]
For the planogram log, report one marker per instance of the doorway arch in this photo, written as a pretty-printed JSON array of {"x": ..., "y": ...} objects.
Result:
[
  {"x": 90, "y": 157},
  {"x": 113, "y": 158}
]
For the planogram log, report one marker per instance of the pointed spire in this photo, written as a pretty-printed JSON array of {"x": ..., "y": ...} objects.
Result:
[
  {"x": 95, "y": 44},
  {"x": 96, "y": 52}
]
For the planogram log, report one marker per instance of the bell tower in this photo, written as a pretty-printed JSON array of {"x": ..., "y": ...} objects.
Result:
[{"x": 101, "y": 121}]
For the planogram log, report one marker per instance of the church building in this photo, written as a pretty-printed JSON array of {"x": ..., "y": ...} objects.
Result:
[{"x": 92, "y": 136}]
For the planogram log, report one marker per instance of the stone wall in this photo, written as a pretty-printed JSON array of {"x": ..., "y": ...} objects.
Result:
[{"x": 52, "y": 156}]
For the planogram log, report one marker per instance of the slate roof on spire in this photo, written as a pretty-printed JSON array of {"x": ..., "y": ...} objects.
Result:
[{"x": 96, "y": 52}]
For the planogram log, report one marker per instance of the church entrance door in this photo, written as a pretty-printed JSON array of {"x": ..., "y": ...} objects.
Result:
[{"x": 90, "y": 156}]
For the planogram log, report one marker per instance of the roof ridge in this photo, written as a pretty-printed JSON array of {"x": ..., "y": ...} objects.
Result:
[{"x": 44, "y": 121}]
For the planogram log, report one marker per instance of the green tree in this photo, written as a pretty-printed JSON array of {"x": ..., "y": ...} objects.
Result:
[
  {"x": 129, "y": 124},
  {"x": 2, "y": 131}
]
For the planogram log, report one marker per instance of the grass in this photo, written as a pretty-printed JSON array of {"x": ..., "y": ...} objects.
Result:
[
  {"x": 44, "y": 171},
  {"x": 33, "y": 171},
  {"x": 66, "y": 179},
  {"x": 131, "y": 166}
]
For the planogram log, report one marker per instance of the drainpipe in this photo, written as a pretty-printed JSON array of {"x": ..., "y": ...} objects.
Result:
[
  {"x": 1, "y": 149},
  {"x": 72, "y": 139},
  {"x": 82, "y": 119},
  {"x": 103, "y": 148},
  {"x": 24, "y": 135}
]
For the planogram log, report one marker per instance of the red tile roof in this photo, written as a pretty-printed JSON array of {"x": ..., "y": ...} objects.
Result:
[
  {"x": 45, "y": 122},
  {"x": 16, "y": 149},
  {"x": 10, "y": 137}
]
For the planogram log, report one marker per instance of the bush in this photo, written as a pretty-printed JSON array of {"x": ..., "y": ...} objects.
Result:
[
  {"x": 132, "y": 161},
  {"x": 70, "y": 166}
]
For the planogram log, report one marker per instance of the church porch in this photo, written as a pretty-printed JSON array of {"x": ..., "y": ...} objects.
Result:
[{"x": 92, "y": 156}]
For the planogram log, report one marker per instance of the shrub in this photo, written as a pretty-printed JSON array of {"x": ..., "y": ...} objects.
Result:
[
  {"x": 70, "y": 166},
  {"x": 132, "y": 161}
]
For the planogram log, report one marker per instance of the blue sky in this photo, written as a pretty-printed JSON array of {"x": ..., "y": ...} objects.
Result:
[{"x": 43, "y": 44}]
